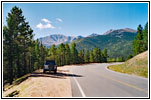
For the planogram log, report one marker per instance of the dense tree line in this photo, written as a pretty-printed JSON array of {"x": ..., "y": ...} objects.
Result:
[
  {"x": 117, "y": 59},
  {"x": 65, "y": 55},
  {"x": 140, "y": 43},
  {"x": 21, "y": 54}
]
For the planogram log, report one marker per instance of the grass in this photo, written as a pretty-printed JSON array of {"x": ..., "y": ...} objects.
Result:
[{"x": 138, "y": 65}]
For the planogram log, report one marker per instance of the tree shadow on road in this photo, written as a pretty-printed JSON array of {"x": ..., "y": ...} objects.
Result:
[{"x": 60, "y": 75}]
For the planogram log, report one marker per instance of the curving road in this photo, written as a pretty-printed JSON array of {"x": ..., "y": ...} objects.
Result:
[{"x": 95, "y": 80}]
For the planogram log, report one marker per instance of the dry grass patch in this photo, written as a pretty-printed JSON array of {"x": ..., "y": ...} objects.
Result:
[{"x": 138, "y": 65}]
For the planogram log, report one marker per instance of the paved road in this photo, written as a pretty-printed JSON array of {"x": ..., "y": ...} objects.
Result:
[{"x": 95, "y": 80}]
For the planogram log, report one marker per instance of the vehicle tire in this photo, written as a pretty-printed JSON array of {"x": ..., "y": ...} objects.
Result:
[
  {"x": 44, "y": 71},
  {"x": 55, "y": 71}
]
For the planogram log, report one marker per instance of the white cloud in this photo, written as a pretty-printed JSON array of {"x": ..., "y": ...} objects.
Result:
[
  {"x": 59, "y": 19},
  {"x": 45, "y": 20},
  {"x": 45, "y": 26}
]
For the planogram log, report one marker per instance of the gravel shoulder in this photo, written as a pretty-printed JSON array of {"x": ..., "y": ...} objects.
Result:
[{"x": 44, "y": 85}]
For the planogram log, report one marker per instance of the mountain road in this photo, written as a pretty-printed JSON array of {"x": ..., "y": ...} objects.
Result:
[{"x": 96, "y": 80}]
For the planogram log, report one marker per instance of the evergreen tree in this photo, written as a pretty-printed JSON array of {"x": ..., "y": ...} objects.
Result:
[
  {"x": 81, "y": 56},
  {"x": 138, "y": 41},
  {"x": 96, "y": 55},
  {"x": 53, "y": 52},
  {"x": 100, "y": 56},
  {"x": 104, "y": 55},
  {"x": 87, "y": 56},
  {"x": 61, "y": 54},
  {"x": 42, "y": 55},
  {"x": 67, "y": 54},
  {"x": 145, "y": 37},
  {"x": 17, "y": 39},
  {"x": 74, "y": 54},
  {"x": 91, "y": 56}
]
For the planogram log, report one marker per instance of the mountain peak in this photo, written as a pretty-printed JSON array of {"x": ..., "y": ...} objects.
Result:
[
  {"x": 130, "y": 30},
  {"x": 93, "y": 34},
  {"x": 57, "y": 39},
  {"x": 119, "y": 31}
]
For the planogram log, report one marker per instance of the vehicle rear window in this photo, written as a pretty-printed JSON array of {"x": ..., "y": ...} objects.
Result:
[{"x": 50, "y": 62}]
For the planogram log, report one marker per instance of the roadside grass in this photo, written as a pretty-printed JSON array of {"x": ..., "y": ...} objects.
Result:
[{"x": 138, "y": 65}]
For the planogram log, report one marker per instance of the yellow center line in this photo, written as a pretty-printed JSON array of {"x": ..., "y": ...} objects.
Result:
[{"x": 121, "y": 82}]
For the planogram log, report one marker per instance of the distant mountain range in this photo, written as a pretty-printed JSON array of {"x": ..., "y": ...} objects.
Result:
[
  {"x": 118, "y": 42},
  {"x": 93, "y": 34},
  {"x": 57, "y": 39}
]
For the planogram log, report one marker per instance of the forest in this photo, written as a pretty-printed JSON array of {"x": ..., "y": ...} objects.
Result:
[{"x": 22, "y": 54}]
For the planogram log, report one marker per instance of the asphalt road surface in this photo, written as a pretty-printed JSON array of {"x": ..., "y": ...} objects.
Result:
[{"x": 95, "y": 80}]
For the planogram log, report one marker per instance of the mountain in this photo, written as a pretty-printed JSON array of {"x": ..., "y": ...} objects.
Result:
[
  {"x": 119, "y": 31},
  {"x": 93, "y": 34},
  {"x": 118, "y": 42},
  {"x": 57, "y": 39}
]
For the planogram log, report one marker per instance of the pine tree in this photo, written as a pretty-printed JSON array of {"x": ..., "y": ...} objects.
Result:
[
  {"x": 91, "y": 56},
  {"x": 96, "y": 55},
  {"x": 61, "y": 54},
  {"x": 87, "y": 56},
  {"x": 53, "y": 52},
  {"x": 138, "y": 41},
  {"x": 67, "y": 54},
  {"x": 145, "y": 37},
  {"x": 99, "y": 56},
  {"x": 104, "y": 55},
  {"x": 81, "y": 56},
  {"x": 17, "y": 39},
  {"x": 10, "y": 32},
  {"x": 74, "y": 54}
]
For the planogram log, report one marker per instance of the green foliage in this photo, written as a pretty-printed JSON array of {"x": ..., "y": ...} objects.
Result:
[
  {"x": 97, "y": 55},
  {"x": 81, "y": 56},
  {"x": 67, "y": 54},
  {"x": 112, "y": 43},
  {"x": 91, "y": 56},
  {"x": 21, "y": 54},
  {"x": 140, "y": 43},
  {"x": 104, "y": 55},
  {"x": 74, "y": 54},
  {"x": 61, "y": 54},
  {"x": 129, "y": 57},
  {"x": 145, "y": 37},
  {"x": 87, "y": 56}
]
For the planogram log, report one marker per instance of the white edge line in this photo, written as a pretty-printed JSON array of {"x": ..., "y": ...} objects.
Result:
[{"x": 82, "y": 93}]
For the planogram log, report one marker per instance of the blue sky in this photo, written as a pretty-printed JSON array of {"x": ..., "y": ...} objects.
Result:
[{"x": 73, "y": 19}]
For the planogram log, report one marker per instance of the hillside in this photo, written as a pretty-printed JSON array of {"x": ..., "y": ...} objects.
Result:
[
  {"x": 118, "y": 42},
  {"x": 138, "y": 65}
]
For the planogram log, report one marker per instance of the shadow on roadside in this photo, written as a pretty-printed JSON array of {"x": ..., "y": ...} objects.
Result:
[{"x": 59, "y": 75}]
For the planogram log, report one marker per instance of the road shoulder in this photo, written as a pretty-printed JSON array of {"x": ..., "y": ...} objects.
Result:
[{"x": 44, "y": 85}]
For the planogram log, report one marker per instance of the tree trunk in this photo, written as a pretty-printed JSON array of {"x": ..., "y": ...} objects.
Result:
[
  {"x": 18, "y": 67},
  {"x": 10, "y": 64}
]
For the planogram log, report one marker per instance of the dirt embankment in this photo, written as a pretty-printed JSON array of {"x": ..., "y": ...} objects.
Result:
[{"x": 44, "y": 85}]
